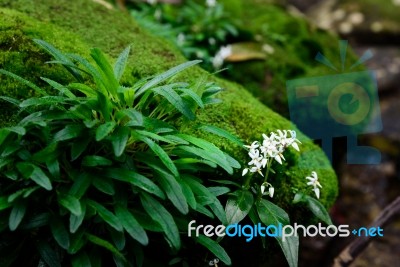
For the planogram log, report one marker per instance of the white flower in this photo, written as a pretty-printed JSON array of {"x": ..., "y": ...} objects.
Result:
[
  {"x": 271, "y": 147},
  {"x": 181, "y": 38},
  {"x": 313, "y": 181},
  {"x": 221, "y": 55},
  {"x": 211, "y": 3},
  {"x": 271, "y": 189}
]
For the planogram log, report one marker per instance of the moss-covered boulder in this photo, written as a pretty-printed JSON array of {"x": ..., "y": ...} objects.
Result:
[
  {"x": 291, "y": 42},
  {"x": 74, "y": 26}
]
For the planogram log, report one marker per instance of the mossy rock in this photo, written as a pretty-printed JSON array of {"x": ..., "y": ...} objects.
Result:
[
  {"x": 295, "y": 43},
  {"x": 75, "y": 26}
]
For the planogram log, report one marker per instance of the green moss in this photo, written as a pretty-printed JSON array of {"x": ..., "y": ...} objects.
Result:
[
  {"x": 92, "y": 25},
  {"x": 295, "y": 42}
]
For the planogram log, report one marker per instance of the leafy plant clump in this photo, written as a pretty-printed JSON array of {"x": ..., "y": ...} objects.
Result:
[
  {"x": 199, "y": 30},
  {"x": 98, "y": 167}
]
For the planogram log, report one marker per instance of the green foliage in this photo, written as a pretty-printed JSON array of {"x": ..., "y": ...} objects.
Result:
[
  {"x": 93, "y": 158},
  {"x": 198, "y": 30}
]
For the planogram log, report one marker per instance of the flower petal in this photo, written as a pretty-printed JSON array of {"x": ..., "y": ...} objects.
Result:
[
  {"x": 271, "y": 191},
  {"x": 245, "y": 171}
]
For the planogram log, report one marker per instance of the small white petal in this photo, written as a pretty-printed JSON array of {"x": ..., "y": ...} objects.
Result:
[
  {"x": 310, "y": 183},
  {"x": 262, "y": 189},
  {"x": 316, "y": 190},
  {"x": 245, "y": 172},
  {"x": 295, "y": 146},
  {"x": 271, "y": 191},
  {"x": 278, "y": 159}
]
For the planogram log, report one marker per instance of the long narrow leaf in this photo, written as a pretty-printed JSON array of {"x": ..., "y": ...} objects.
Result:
[
  {"x": 215, "y": 248},
  {"x": 166, "y": 75},
  {"x": 176, "y": 100},
  {"x": 25, "y": 82},
  {"x": 120, "y": 64},
  {"x": 131, "y": 225},
  {"x": 159, "y": 214}
]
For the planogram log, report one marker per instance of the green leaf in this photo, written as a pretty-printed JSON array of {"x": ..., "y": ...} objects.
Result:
[
  {"x": 78, "y": 147},
  {"x": 58, "y": 55},
  {"x": 81, "y": 260},
  {"x": 106, "y": 215},
  {"x": 131, "y": 225},
  {"x": 238, "y": 206},
  {"x": 105, "y": 244},
  {"x": 17, "y": 214},
  {"x": 60, "y": 233},
  {"x": 218, "y": 190},
  {"x": 161, "y": 154},
  {"x": 107, "y": 73},
  {"x": 49, "y": 256},
  {"x": 201, "y": 191},
  {"x": 192, "y": 95},
  {"x": 45, "y": 100},
  {"x": 23, "y": 81},
  {"x": 83, "y": 88},
  {"x": 69, "y": 132},
  {"x": 59, "y": 87},
  {"x": 174, "y": 98},
  {"x": 104, "y": 185},
  {"x": 16, "y": 129},
  {"x": 155, "y": 136},
  {"x": 220, "y": 132},
  {"x": 120, "y": 64},
  {"x": 135, "y": 179},
  {"x": 215, "y": 248},
  {"x": 23, "y": 192},
  {"x": 46, "y": 154},
  {"x": 270, "y": 213},
  {"x": 209, "y": 156},
  {"x": 80, "y": 185},
  {"x": 188, "y": 193},
  {"x": 76, "y": 221},
  {"x": 173, "y": 190},
  {"x": 166, "y": 75},
  {"x": 119, "y": 140},
  {"x": 35, "y": 173},
  {"x": 203, "y": 210},
  {"x": 314, "y": 206},
  {"x": 93, "y": 161},
  {"x": 159, "y": 214},
  {"x": 290, "y": 248},
  {"x": 105, "y": 129},
  {"x": 71, "y": 203},
  {"x": 118, "y": 238},
  {"x": 4, "y": 203},
  {"x": 135, "y": 117},
  {"x": 36, "y": 221}
]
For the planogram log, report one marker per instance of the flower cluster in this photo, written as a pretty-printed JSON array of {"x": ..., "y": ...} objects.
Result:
[
  {"x": 313, "y": 181},
  {"x": 272, "y": 147}
]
